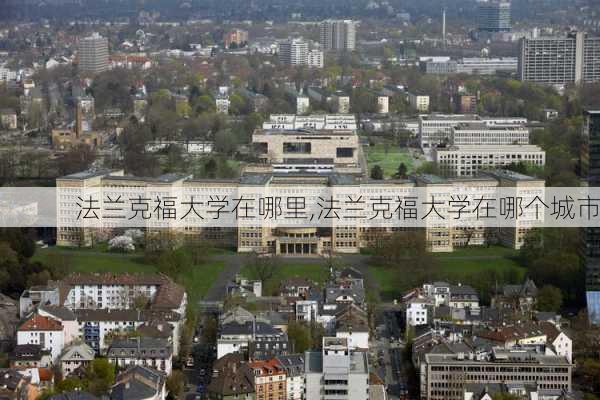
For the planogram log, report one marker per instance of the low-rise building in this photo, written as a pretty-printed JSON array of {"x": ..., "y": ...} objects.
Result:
[
  {"x": 139, "y": 383},
  {"x": 418, "y": 311},
  {"x": 44, "y": 331},
  {"x": 419, "y": 102},
  {"x": 258, "y": 337},
  {"x": 481, "y": 133},
  {"x": 30, "y": 356},
  {"x": 8, "y": 119},
  {"x": 469, "y": 160},
  {"x": 77, "y": 355},
  {"x": 445, "y": 376},
  {"x": 141, "y": 350},
  {"x": 97, "y": 327},
  {"x": 232, "y": 379}
]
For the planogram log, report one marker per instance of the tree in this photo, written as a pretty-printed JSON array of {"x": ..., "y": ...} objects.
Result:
[
  {"x": 402, "y": 171},
  {"x": 377, "y": 173},
  {"x": 262, "y": 267},
  {"x": 100, "y": 375},
  {"x": 173, "y": 262},
  {"x": 552, "y": 257},
  {"x": 549, "y": 299},
  {"x": 300, "y": 337},
  {"x": 78, "y": 158},
  {"x": 175, "y": 384}
]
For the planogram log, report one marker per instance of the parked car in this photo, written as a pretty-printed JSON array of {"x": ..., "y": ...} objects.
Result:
[{"x": 189, "y": 362}]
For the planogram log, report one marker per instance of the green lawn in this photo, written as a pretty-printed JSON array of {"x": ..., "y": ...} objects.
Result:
[
  {"x": 480, "y": 251},
  {"x": 96, "y": 261},
  {"x": 197, "y": 279},
  {"x": 389, "y": 158},
  {"x": 453, "y": 268},
  {"x": 316, "y": 272}
]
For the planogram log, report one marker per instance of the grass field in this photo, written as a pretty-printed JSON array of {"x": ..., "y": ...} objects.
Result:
[
  {"x": 454, "y": 267},
  {"x": 95, "y": 261},
  {"x": 197, "y": 279},
  {"x": 389, "y": 158},
  {"x": 316, "y": 272}
]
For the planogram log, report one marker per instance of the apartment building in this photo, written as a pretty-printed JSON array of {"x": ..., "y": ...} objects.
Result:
[
  {"x": 560, "y": 60},
  {"x": 236, "y": 37},
  {"x": 143, "y": 351},
  {"x": 93, "y": 54},
  {"x": 336, "y": 372},
  {"x": 293, "y": 365},
  {"x": 590, "y": 168},
  {"x": 494, "y": 16},
  {"x": 293, "y": 52},
  {"x": 338, "y": 35},
  {"x": 445, "y": 376},
  {"x": 419, "y": 102},
  {"x": 269, "y": 380},
  {"x": 469, "y": 160}
]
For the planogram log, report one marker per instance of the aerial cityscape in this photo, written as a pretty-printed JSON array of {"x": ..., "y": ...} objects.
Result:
[{"x": 300, "y": 200}]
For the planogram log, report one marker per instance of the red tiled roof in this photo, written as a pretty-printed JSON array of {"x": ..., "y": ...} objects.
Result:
[
  {"x": 39, "y": 323},
  {"x": 265, "y": 366},
  {"x": 46, "y": 374}
]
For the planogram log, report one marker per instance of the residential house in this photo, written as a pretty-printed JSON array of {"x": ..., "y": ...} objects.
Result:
[
  {"x": 244, "y": 287},
  {"x": 139, "y": 383},
  {"x": 43, "y": 331},
  {"x": 418, "y": 311},
  {"x": 75, "y": 356},
  {"x": 232, "y": 379},
  {"x": 8, "y": 119},
  {"x": 518, "y": 298},
  {"x": 293, "y": 365},
  {"x": 16, "y": 384},
  {"x": 295, "y": 287},
  {"x": 463, "y": 296},
  {"x": 144, "y": 351},
  {"x": 30, "y": 356}
]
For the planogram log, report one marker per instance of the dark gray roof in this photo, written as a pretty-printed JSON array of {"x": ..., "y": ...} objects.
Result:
[
  {"x": 293, "y": 364},
  {"x": 139, "y": 346},
  {"x": 262, "y": 329},
  {"x": 137, "y": 383},
  {"x": 60, "y": 312}
]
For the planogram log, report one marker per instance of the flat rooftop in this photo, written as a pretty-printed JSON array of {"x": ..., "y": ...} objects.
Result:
[
  {"x": 482, "y": 126},
  {"x": 491, "y": 149}
]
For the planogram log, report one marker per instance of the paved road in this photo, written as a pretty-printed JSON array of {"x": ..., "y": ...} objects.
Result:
[{"x": 233, "y": 264}]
